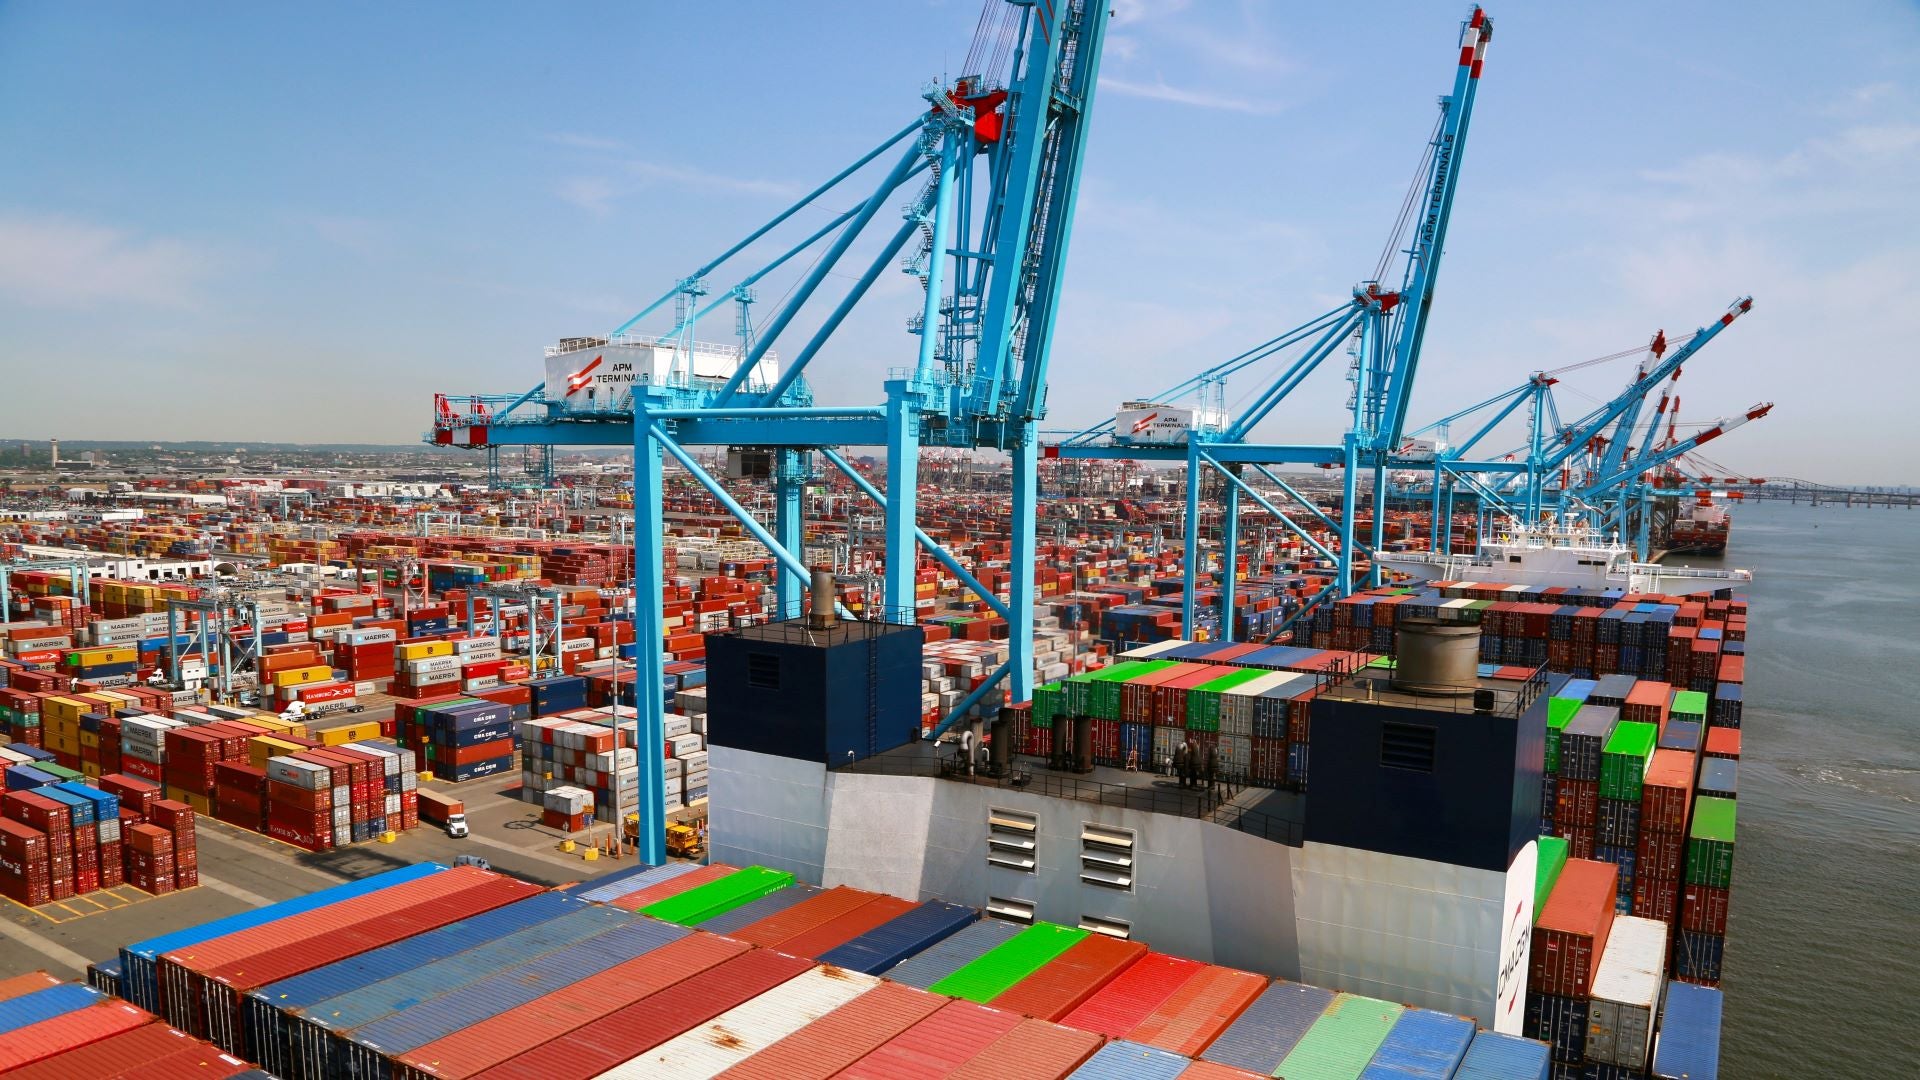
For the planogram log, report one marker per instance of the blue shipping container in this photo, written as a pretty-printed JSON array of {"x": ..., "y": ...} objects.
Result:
[
  {"x": 623, "y": 885},
  {"x": 1267, "y": 1032},
  {"x": 1423, "y": 1044},
  {"x": 943, "y": 959},
  {"x": 45, "y": 1004},
  {"x": 898, "y": 938},
  {"x": 1122, "y": 1060},
  {"x": 1688, "y": 1047},
  {"x": 1503, "y": 1057}
]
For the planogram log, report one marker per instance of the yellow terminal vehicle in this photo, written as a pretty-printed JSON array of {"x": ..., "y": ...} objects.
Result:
[{"x": 683, "y": 840}]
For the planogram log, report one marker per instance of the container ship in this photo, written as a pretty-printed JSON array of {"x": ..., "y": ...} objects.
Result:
[{"x": 1700, "y": 528}]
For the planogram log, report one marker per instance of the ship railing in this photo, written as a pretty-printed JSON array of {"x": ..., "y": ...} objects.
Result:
[{"x": 1695, "y": 572}]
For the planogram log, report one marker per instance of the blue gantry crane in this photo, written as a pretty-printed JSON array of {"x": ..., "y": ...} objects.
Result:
[
  {"x": 1383, "y": 331},
  {"x": 991, "y": 165}
]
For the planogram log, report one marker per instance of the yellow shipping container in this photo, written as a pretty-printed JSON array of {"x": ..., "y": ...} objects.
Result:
[
  {"x": 347, "y": 733},
  {"x": 62, "y": 709},
  {"x": 303, "y": 675},
  {"x": 262, "y": 747},
  {"x": 424, "y": 650},
  {"x": 91, "y": 769}
]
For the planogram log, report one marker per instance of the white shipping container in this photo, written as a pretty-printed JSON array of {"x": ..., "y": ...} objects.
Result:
[
  {"x": 433, "y": 678},
  {"x": 466, "y": 646},
  {"x": 745, "y": 1030},
  {"x": 432, "y": 663},
  {"x": 694, "y": 761},
  {"x": 676, "y": 726},
  {"x": 1626, "y": 993},
  {"x": 369, "y": 636},
  {"x": 686, "y": 744},
  {"x": 306, "y": 775}
]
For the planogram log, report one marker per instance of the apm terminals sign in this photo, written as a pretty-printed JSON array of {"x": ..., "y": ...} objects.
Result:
[{"x": 1516, "y": 942}]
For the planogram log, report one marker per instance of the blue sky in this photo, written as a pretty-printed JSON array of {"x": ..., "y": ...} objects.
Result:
[{"x": 247, "y": 221}]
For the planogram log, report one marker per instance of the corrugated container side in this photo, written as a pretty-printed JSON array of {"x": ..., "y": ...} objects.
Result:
[
  {"x": 1200, "y": 1010},
  {"x": 748, "y": 1028},
  {"x": 1124, "y": 1060},
  {"x": 200, "y": 1060},
  {"x": 929, "y": 966},
  {"x": 1343, "y": 1040},
  {"x": 1208, "y": 1070},
  {"x": 544, "y": 1019},
  {"x": 109, "y": 1056},
  {"x": 69, "y": 1028},
  {"x": 140, "y": 982},
  {"x": 1504, "y": 1057},
  {"x": 1271, "y": 1027},
  {"x": 1068, "y": 980},
  {"x": 668, "y": 888},
  {"x": 1689, "y": 1044},
  {"x": 1423, "y": 1044},
  {"x": 991, "y": 975},
  {"x": 44, "y": 1004},
  {"x": 1626, "y": 993},
  {"x": 445, "y": 1014},
  {"x": 603, "y": 1044},
  {"x": 26, "y": 984},
  {"x": 620, "y": 882},
  {"x": 888, "y": 944},
  {"x": 273, "y": 1009},
  {"x": 314, "y": 1033},
  {"x": 1123, "y": 1004},
  {"x": 933, "y": 1048},
  {"x": 842, "y": 1037},
  {"x": 771, "y": 904},
  {"x": 802, "y": 917},
  {"x": 1033, "y": 1050},
  {"x": 836, "y": 932}
]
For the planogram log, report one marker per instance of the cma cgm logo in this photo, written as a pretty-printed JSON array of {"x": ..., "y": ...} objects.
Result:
[{"x": 1512, "y": 958}]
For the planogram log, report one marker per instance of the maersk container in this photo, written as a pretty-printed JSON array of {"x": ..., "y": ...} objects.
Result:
[
  {"x": 1626, "y": 993},
  {"x": 1342, "y": 1041},
  {"x": 610, "y": 889},
  {"x": 273, "y": 1012},
  {"x": 139, "y": 962},
  {"x": 931, "y": 965},
  {"x": 313, "y": 1033},
  {"x": 29, "y": 1009},
  {"x": 1020, "y": 956},
  {"x": 1271, "y": 1027},
  {"x": 955, "y": 1034},
  {"x": 822, "y": 1048},
  {"x": 1423, "y": 1045},
  {"x": 365, "y": 1054},
  {"x": 733, "y": 1036},
  {"x": 1126, "y": 1002},
  {"x": 893, "y": 941},
  {"x": 1494, "y": 1056},
  {"x": 1689, "y": 1044},
  {"x": 1131, "y": 1061},
  {"x": 770, "y": 904}
]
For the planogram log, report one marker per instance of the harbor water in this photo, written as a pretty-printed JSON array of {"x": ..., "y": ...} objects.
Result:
[{"x": 1821, "y": 948}]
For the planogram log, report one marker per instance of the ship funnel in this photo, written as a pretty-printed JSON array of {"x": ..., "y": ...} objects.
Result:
[
  {"x": 1435, "y": 658},
  {"x": 823, "y": 614}
]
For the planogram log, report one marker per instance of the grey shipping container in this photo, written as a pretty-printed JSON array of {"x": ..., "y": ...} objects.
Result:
[
  {"x": 365, "y": 1055},
  {"x": 1688, "y": 1047},
  {"x": 272, "y": 1013},
  {"x": 1504, "y": 1057},
  {"x": 929, "y": 967},
  {"x": 752, "y": 912},
  {"x": 898, "y": 938},
  {"x": 1122, "y": 1060},
  {"x": 1268, "y": 1031},
  {"x": 1582, "y": 739},
  {"x": 581, "y": 888},
  {"x": 609, "y": 891}
]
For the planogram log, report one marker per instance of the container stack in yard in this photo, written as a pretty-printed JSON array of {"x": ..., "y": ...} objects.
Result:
[{"x": 429, "y": 972}]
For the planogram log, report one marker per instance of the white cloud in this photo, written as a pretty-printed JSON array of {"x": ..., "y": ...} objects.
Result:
[
  {"x": 62, "y": 262},
  {"x": 589, "y": 193},
  {"x": 1160, "y": 90},
  {"x": 685, "y": 176},
  {"x": 585, "y": 142}
]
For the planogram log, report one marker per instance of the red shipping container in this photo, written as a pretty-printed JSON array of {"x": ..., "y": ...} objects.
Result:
[
  {"x": 932, "y": 1049},
  {"x": 1647, "y": 703},
  {"x": 59, "y": 1034},
  {"x": 1703, "y": 908},
  {"x": 1125, "y": 1003},
  {"x": 1062, "y": 984},
  {"x": 812, "y": 912},
  {"x": 1576, "y": 803},
  {"x": 108, "y": 1057},
  {"x": 1667, "y": 792},
  {"x": 30, "y": 983},
  {"x": 1723, "y": 742},
  {"x": 520, "y": 1029},
  {"x": 133, "y": 792},
  {"x": 821, "y": 1049},
  {"x": 1211, "y": 1070},
  {"x": 653, "y": 894},
  {"x": 25, "y": 876},
  {"x": 1033, "y": 1050},
  {"x": 1661, "y": 855},
  {"x": 836, "y": 932},
  {"x": 466, "y": 755},
  {"x": 1571, "y": 932},
  {"x": 1196, "y": 1013},
  {"x": 1656, "y": 898},
  {"x": 631, "y": 1031}
]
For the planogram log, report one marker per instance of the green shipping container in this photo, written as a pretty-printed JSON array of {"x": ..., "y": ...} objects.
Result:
[
  {"x": 1623, "y": 760},
  {"x": 715, "y": 898},
  {"x": 59, "y": 772},
  {"x": 1340, "y": 1044},
  {"x": 1007, "y": 963},
  {"x": 1553, "y": 859},
  {"x": 1203, "y": 701},
  {"x": 1046, "y": 703},
  {"x": 1688, "y": 703},
  {"x": 1710, "y": 843},
  {"x": 1559, "y": 711},
  {"x": 1104, "y": 692}
]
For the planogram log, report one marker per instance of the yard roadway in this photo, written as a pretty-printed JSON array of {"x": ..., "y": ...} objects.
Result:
[{"x": 241, "y": 870}]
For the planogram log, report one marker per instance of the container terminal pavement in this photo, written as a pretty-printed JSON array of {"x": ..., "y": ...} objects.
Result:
[{"x": 684, "y": 970}]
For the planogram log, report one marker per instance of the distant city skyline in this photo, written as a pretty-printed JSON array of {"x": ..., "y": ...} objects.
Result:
[{"x": 239, "y": 223}]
